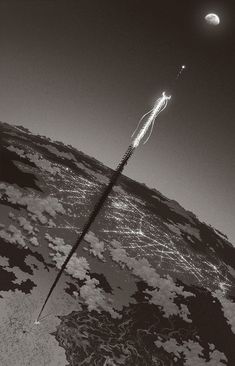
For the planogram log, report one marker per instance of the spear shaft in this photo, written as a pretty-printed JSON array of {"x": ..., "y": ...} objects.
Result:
[
  {"x": 91, "y": 219},
  {"x": 160, "y": 105}
]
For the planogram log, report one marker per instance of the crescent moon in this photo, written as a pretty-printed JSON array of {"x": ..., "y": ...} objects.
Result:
[{"x": 212, "y": 19}]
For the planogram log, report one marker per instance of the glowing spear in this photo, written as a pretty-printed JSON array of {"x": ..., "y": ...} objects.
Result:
[
  {"x": 150, "y": 117},
  {"x": 159, "y": 106}
]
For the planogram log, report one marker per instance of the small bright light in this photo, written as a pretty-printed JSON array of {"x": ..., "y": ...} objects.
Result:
[{"x": 183, "y": 67}]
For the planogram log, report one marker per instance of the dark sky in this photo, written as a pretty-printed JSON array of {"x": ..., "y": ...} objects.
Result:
[{"x": 83, "y": 72}]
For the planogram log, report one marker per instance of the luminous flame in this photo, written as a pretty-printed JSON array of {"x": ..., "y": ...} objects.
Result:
[{"x": 159, "y": 106}]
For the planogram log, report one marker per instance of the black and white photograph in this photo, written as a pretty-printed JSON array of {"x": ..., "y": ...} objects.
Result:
[{"x": 117, "y": 183}]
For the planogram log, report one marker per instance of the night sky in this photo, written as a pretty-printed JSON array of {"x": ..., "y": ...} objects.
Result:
[{"x": 83, "y": 72}]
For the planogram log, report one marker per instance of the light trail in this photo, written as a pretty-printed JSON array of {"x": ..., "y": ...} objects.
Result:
[{"x": 160, "y": 105}]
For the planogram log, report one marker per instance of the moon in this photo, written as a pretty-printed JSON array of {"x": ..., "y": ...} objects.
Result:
[{"x": 212, "y": 19}]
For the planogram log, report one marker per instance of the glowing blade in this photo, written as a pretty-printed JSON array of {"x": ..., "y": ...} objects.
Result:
[{"x": 160, "y": 105}]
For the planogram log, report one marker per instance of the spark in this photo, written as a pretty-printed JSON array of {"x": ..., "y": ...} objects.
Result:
[{"x": 183, "y": 67}]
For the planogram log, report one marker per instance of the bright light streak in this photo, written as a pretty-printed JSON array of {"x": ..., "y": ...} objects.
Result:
[{"x": 159, "y": 106}]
